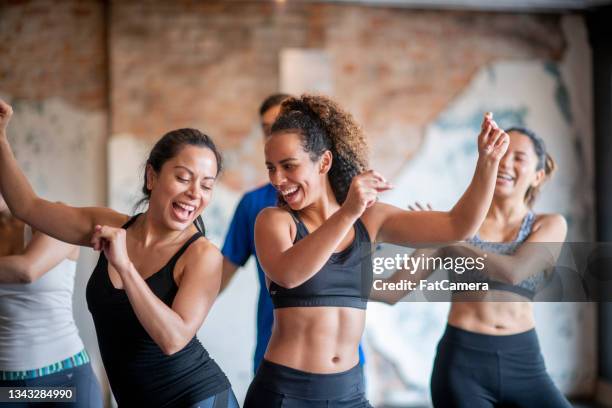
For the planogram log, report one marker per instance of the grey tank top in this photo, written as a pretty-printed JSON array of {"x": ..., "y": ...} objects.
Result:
[
  {"x": 526, "y": 288},
  {"x": 37, "y": 327}
]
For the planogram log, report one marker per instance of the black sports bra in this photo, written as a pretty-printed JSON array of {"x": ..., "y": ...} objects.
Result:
[{"x": 344, "y": 281}]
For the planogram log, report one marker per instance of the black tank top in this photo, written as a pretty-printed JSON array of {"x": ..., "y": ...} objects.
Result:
[
  {"x": 344, "y": 281},
  {"x": 140, "y": 374}
]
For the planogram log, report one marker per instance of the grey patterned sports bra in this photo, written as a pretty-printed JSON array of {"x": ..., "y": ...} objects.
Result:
[{"x": 526, "y": 288}]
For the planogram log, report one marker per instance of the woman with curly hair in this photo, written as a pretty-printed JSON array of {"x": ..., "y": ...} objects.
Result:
[{"x": 311, "y": 248}]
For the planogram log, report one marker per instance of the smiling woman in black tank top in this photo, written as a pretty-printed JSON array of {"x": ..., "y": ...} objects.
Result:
[
  {"x": 157, "y": 277},
  {"x": 312, "y": 248}
]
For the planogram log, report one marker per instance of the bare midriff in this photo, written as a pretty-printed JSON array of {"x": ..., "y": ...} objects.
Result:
[
  {"x": 476, "y": 312},
  {"x": 320, "y": 340}
]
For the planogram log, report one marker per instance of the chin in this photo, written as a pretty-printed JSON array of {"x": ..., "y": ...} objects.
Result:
[
  {"x": 177, "y": 225},
  {"x": 503, "y": 192},
  {"x": 294, "y": 206}
]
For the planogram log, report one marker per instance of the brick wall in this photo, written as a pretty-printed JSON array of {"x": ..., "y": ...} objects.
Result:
[{"x": 209, "y": 64}]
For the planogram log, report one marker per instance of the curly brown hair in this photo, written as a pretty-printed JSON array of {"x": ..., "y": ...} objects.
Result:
[{"x": 323, "y": 126}]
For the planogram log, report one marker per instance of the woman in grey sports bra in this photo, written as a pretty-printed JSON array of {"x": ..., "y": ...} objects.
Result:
[
  {"x": 527, "y": 287},
  {"x": 489, "y": 354}
]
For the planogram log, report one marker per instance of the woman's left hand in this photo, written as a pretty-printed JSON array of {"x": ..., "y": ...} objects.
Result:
[
  {"x": 113, "y": 242},
  {"x": 6, "y": 112},
  {"x": 492, "y": 141}
]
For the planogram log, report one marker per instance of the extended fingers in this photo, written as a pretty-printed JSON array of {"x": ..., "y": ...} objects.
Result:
[
  {"x": 108, "y": 232},
  {"x": 485, "y": 134},
  {"x": 427, "y": 207},
  {"x": 419, "y": 207},
  {"x": 382, "y": 182},
  {"x": 502, "y": 139},
  {"x": 375, "y": 180},
  {"x": 96, "y": 239}
]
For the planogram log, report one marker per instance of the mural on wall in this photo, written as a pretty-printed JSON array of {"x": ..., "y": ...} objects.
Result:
[{"x": 54, "y": 143}]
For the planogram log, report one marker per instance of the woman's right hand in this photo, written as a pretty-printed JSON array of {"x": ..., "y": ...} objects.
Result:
[
  {"x": 363, "y": 192},
  {"x": 417, "y": 206},
  {"x": 5, "y": 116},
  {"x": 492, "y": 141}
]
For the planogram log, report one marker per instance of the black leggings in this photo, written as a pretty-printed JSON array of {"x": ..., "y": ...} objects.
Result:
[
  {"x": 276, "y": 386},
  {"x": 87, "y": 388},
  {"x": 224, "y": 399},
  {"x": 483, "y": 371}
]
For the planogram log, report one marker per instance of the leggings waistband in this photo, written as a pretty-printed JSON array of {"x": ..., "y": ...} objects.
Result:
[
  {"x": 79, "y": 359},
  {"x": 528, "y": 339},
  {"x": 290, "y": 381}
]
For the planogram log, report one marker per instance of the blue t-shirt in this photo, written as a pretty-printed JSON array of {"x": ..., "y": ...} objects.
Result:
[{"x": 238, "y": 247}]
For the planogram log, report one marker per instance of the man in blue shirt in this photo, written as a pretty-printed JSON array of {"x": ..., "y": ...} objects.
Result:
[{"x": 239, "y": 242}]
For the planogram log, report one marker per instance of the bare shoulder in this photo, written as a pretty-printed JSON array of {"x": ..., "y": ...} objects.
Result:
[
  {"x": 376, "y": 215},
  {"x": 379, "y": 212},
  {"x": 553, "y": 225},
  {"x": 273, "y": 215},
  {"x": 202, "y": 250},
  {"x": 202, "y": 258},
  {"x": 275, "y": 222},
  {"x": 552, "y": 220}
]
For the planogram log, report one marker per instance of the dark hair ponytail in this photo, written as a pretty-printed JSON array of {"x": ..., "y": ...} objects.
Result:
[
  {"x": 545, "y": 161},
  {"x": 323, "y": 125},
  {"x": 167, "y": 148}
]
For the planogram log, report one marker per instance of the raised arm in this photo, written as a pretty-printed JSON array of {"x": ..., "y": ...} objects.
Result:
[
  {"x": 463, "y": 220},
  {"x": 289, "y": 264},
  {"x": 40, "y": 255},
  {"x": 68, "y": 224}
]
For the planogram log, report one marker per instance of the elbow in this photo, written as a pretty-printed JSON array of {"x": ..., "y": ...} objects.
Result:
[
  {"x": 463, "y": 234},
  {"x": 170, "y": 350},
  {"x": 281, "y": 279},
  {"x": 24, "y": 278},
  {"x": 287, "y": 283},
  {"x": 391, "y": 302},
  {"x": 172, "y": 346},
  {"x": 25, "y": 275},
  {"x": 20, "y": 211},
  {"x": 514, "y": 281},
  {"x": 508, "y": 277},
  {"x": 462, "y": 230}
]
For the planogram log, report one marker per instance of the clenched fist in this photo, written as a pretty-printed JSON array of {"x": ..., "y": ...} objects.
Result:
[
  {"x": 492, "y": 141},
  {"x": 5, "y": 116},
  {"x": 113, "y": 242},
  {"x": 363, "y": 192}
]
